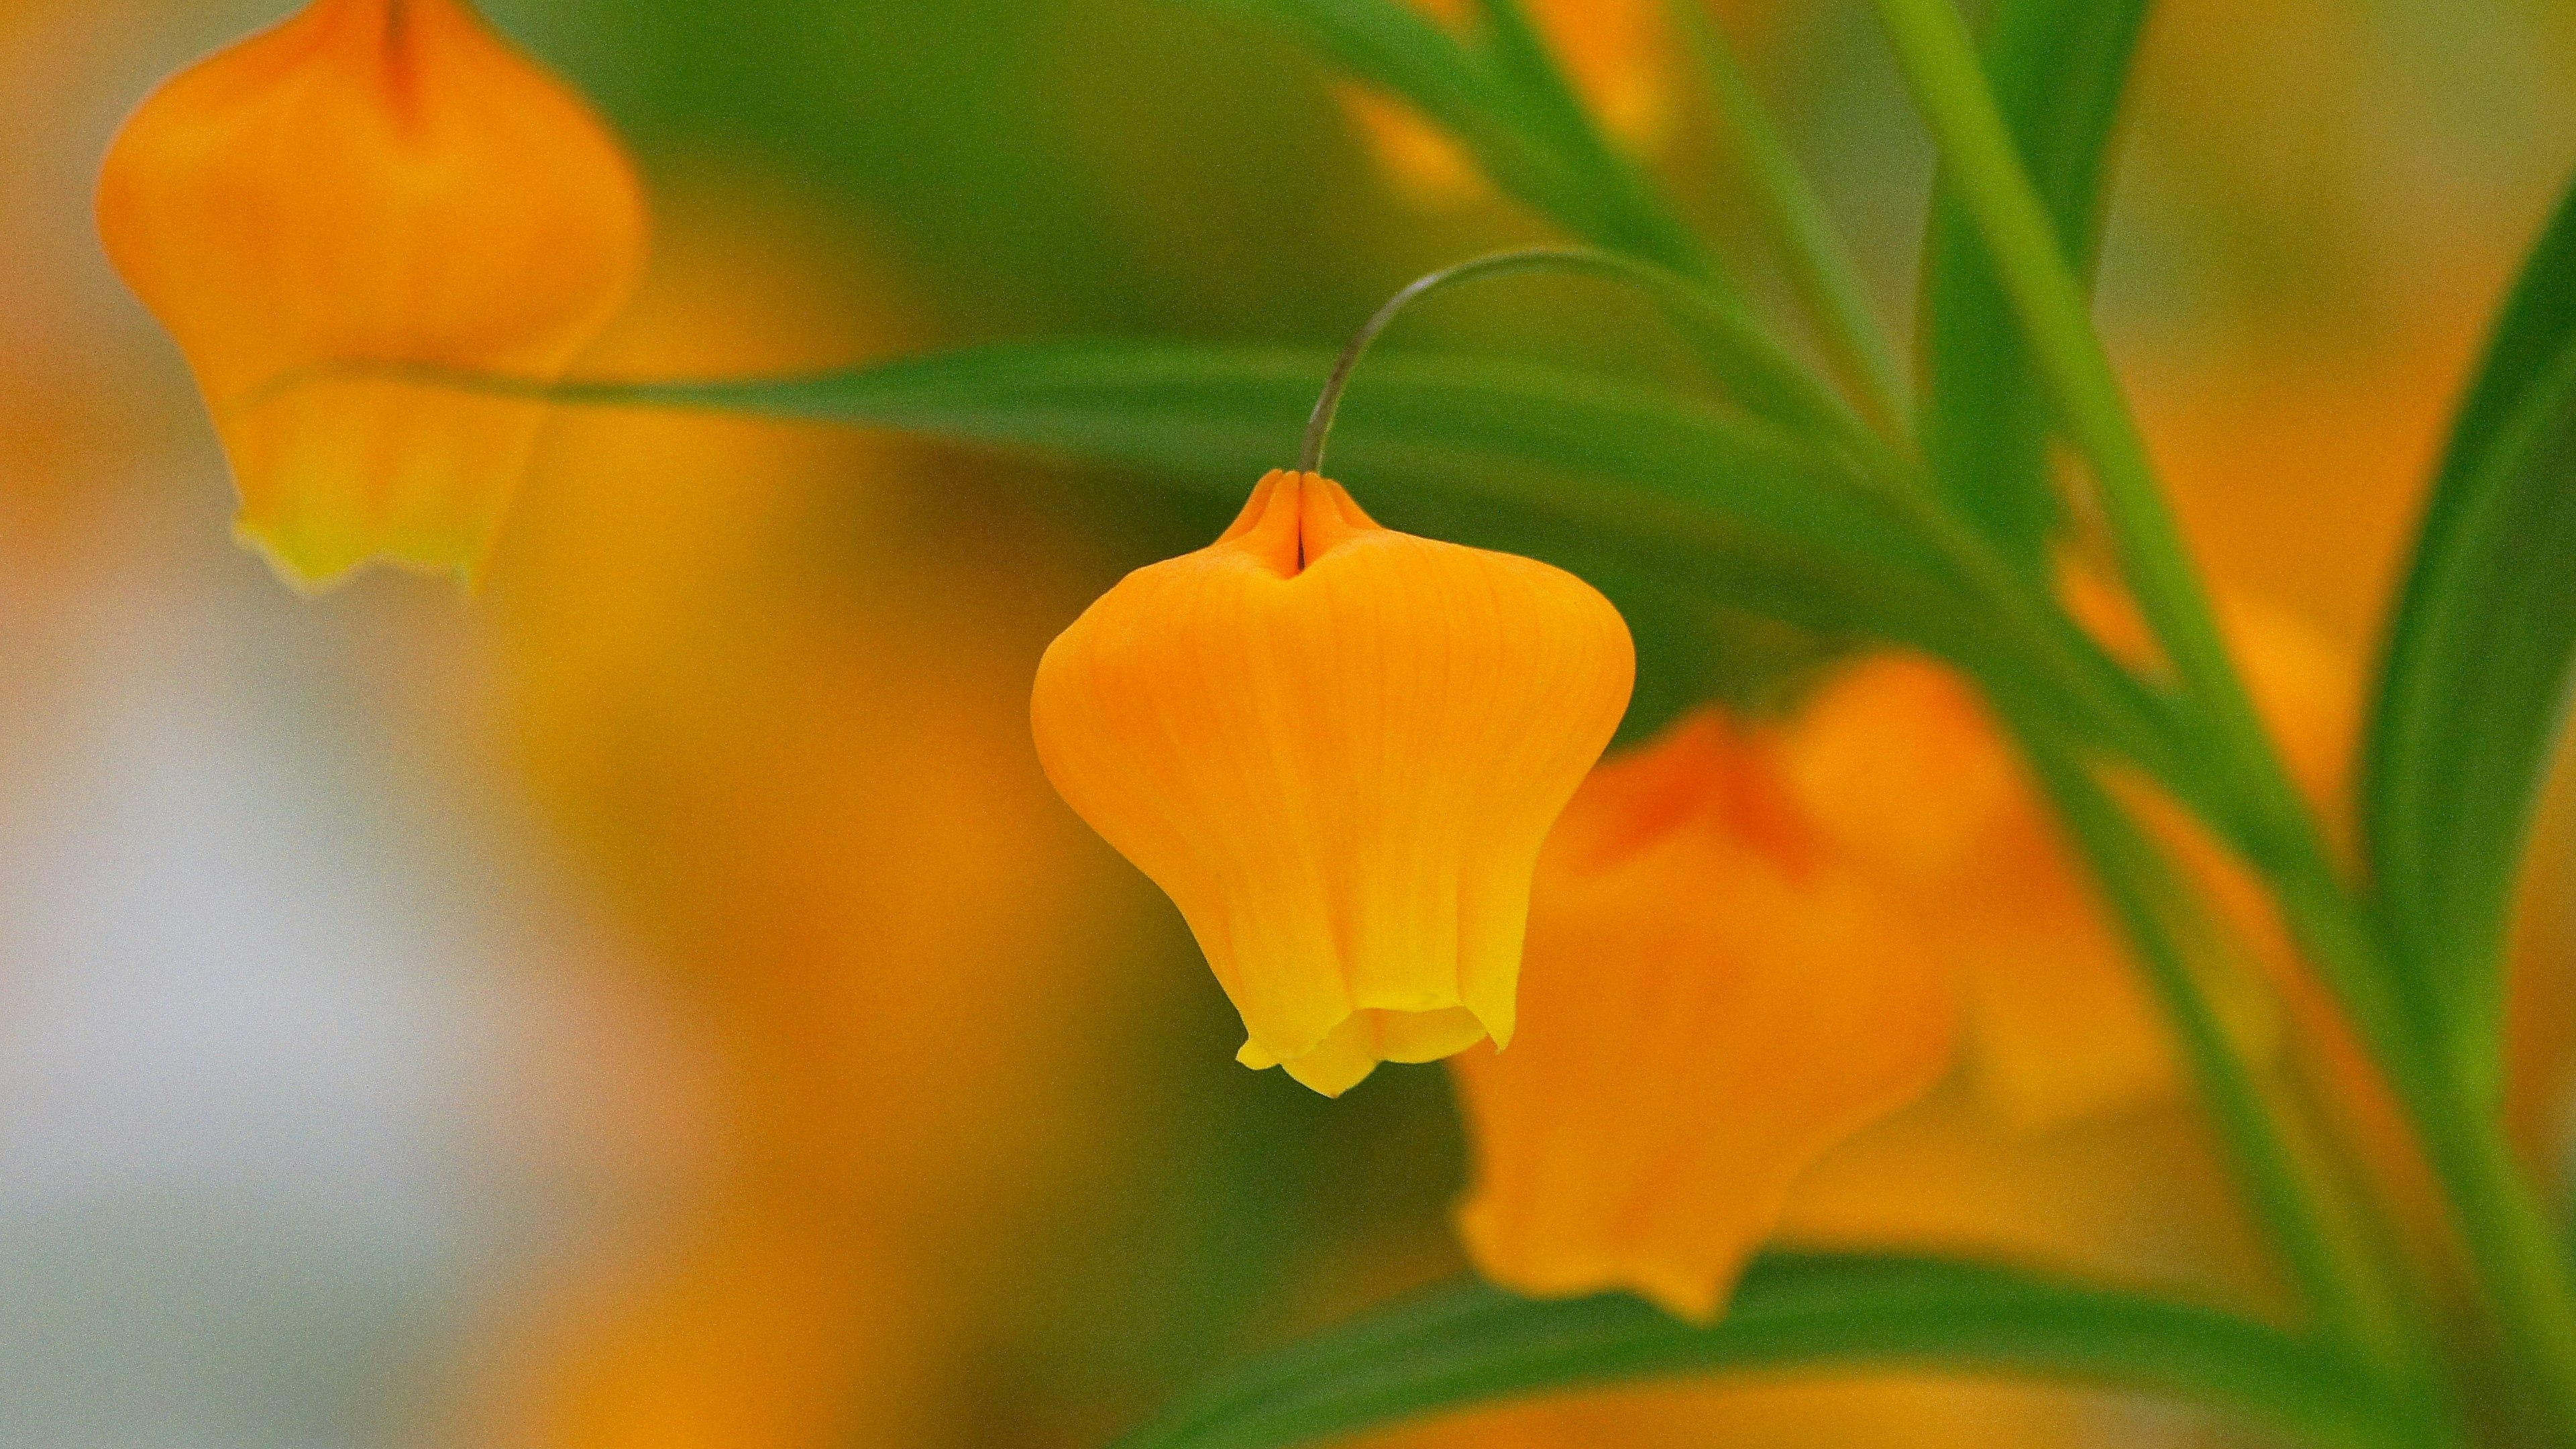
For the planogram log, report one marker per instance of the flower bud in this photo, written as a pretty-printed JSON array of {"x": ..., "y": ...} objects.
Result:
[
  {"x": 1714, "y": 998},
  {"x": 370, "y": 187},
  {"x": 1338, "y": 748}
]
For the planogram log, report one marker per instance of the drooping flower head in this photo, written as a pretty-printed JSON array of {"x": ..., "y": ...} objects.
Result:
[
  {"x": 1714, "y": 999},
  {"x": 374, "y": 184},
  {"x": 1337, "y": 748}
]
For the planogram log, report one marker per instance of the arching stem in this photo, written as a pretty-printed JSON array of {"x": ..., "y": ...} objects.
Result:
[{"x": 1760, "y": 375}]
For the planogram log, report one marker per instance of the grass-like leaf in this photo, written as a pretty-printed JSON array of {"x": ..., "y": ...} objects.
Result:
[
  {"x": 2058, "y": 68},
  {"x": 1530, "y": 139},
  {"x": 2474, "y": 684},
  {"x": 1397, "y": 49},
  {"x": 1470, "y": 1344},
  {"x": 1688, "y": 492}
]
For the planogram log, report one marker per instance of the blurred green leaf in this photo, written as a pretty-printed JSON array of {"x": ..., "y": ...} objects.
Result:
[
  {"x": 1810, "y": 248},
  {"x": 2473, "y": 688},
  {"x": 1691, "y": 480},
  {"x": 1472, "y": 1344},
  {"x": 1689, "y": 492},
  {"x": 2058, "y": 68},
  {"x": 1509, "y": 108},
  {"x": 1397, "y": 49},
  {"x": 1637, "y": 215}
]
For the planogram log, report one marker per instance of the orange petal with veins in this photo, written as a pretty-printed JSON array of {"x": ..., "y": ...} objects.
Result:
[
  {"x": 1714, "y": 999},
  {"x": 378, "y": 185},
  {"x": 1337, "y": 748}
]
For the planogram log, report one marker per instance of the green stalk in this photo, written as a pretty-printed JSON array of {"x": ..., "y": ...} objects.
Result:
[
  {"x": 2521, "y": 1269},
  {"x": 1941, "y": 67},
  {"x": 2524, "y": 1279},
  {"x": 2140, "y": 887},
  {"x": 1811, "y": 250}
]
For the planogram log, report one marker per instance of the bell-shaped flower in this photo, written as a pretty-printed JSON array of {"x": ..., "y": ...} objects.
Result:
[
  {"x": 1714, "y": 999},
  {"x": 370, "y": 189},
  {"x": 1337, "y": 748}
]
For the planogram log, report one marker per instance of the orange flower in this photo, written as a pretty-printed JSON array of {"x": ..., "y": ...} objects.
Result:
[
  {"x": 1900, "y": 761},
  {"x": 1338, "y": 748},
  {"x": 1716, "y": 998},
  {"x": 1616, "y": 54},
  {"x": 383, "y": 183}
]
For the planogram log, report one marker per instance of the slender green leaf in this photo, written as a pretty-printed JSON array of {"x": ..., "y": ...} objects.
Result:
[
  {"x": 2473, "y": 687},
  {"x": 2058, "y": 68},
  {"x": 2179, "y": 953},
  {"x": 1688, "y": 492},
  {"x": 1638, "y": 217},
  {"x": 1470, "y": 1344},
  {"x": 1446, "y": 424},
  {"x": 1507, "y": 109},
  {"x": 1398, "y": 49},
  {"x": 1819, "y": 264}
]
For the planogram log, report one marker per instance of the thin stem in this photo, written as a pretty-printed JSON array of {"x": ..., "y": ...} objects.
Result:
[
  {"x": 2152, "y": 904},
  {"x": 1763, "y": 377},
  {"x": 1811, "y": 250}
]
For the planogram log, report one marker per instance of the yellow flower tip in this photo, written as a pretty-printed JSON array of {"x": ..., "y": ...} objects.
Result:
[
  {"x": 1338, "y": 748},
  {"x": 373, "y": 184},
  {"x": 1715, "y": 997}
]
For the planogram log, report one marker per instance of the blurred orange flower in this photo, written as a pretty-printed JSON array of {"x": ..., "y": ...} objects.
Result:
[
  {"x": 776, "y": 711},
  {"x": 1338, "y": 748},
  {"x": 1715, "y": 997},
  {"x": 747, "y": 1338},
  {"x": 383, "y": 183},
  {"x": 1901, "y": 762}
]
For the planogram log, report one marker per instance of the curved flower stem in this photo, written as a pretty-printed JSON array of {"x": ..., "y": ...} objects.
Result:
[
  {"x": 1764, "y": 377},
  {"x": 2524, "y": 1277},
  {"x": 1771, "y": 383},
  {"x": 1811, "y": 251}
]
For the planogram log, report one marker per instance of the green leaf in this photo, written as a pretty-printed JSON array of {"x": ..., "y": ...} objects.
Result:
[
  {"x": 2473, "y": 686},
  {"x": 1397, "y": 49},
  {"x": 1448, "y": 424},
  {"x": 1470, "y": 1344},
  {"x": 1530, "y": 138},
  {"x": 1688, "y": 492},
  {"x": 1635, "y": 215},
  {"x": 2058, "y": 68}
]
